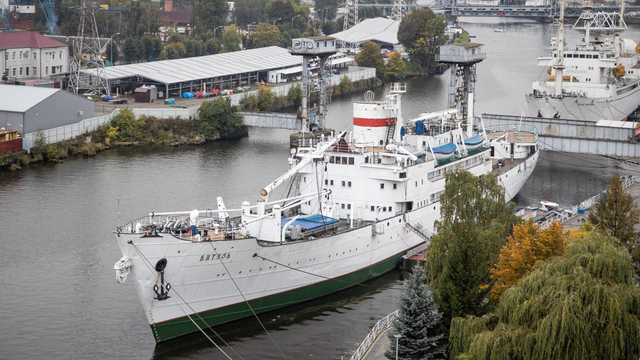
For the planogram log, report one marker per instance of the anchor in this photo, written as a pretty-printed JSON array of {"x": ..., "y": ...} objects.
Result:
[{"x": 162, "y": 294}]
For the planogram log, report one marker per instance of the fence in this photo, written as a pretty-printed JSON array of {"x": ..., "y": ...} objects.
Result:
[
  {"x": 66, "y": 132},
  {"x": 10, "y": 145},
  {"x": 380, "y": 327}
]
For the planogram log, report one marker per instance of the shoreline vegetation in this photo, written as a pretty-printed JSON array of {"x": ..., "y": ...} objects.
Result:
[{"x": 217, "y": 120}]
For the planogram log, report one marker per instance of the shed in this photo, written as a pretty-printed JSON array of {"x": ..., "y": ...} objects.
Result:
[{"x": 143, "y": 94}]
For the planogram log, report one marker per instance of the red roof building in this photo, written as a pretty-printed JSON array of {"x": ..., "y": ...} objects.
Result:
[{"x": 30, "y": 55}]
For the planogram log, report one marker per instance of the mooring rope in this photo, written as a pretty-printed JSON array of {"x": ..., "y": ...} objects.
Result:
[
  {"x": 148, "y": 263},
  {"x": 247, "y": 301}
]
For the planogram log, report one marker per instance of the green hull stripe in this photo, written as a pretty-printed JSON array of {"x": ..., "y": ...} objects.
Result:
[{"x": 177, "y": 327}]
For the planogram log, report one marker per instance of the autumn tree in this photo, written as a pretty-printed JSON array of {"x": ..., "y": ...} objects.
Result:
[
  {"x": 421, "y": 33},
  {"x": 617, "y": 212},
  {"x": 419, "y": 321},
  {"x": 370, "y": 56},
  {"x": 266, "y": 98},
  {"x": 395, "y": 67},
  {"x": 527, "y": 245},
  {"x": 230, "y": 39},
  {"x": 175, "y": 50},
  {"x": 475, "y": 221},
  {"x": 585, "y": 305},
  {"x": 266, "y": 35}
]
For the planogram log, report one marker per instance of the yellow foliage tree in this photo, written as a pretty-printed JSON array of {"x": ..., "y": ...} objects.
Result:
[{"x": 528, "y": 244}]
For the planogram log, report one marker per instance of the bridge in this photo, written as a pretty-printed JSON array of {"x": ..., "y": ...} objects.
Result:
[
  {"x": 551, "y": 11},
  {"x": 608, "y": 138}
]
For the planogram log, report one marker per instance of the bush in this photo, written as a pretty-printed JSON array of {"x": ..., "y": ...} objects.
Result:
[
  {"x": 345, "y": 84},
  {"x": 248, "y": 102},
  {"x": 295, "y": 94},
  {"x": 126, "y": 126},
  {"x": 219, "y": 115},
  {"x": 266, "y": 98}
]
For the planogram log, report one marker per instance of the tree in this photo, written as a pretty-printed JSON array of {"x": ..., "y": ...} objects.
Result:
[
  {"x": 248, "y": 11},
  {"x": 131, "y": 50},
  {"x": 395, "y": 66},
  {"x": 475, "y": 221},
  {"x": 295, "y": 94},
  {"x": 345, "y": 84},
  {"x": 266, "y": 98},
  {"x": 370, "y": 56},
  {"x": 419, "y": 321},
  {"x": 266, "y": 35},
  {"x": 112, "y": 52},
  {"x": 231, "y": 39},
  {"x": 209, "y": 14},
  {"x": 421, "y": 33},
  {"x": 175, "y": 50},
  {"x": 219, "y": 115},
  {"x": 582, "y": 306},
  {"x": 280, "y": 9},
  {"x": 617, "y": 212},
  {"x": 212, "y": 46},
  {"x": 527, "y": 245}
]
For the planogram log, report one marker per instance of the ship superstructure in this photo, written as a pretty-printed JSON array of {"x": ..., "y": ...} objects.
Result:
[{"x": 597, "y": 78}]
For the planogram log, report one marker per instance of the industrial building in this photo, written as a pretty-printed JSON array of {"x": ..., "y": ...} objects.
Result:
[
  {"x": 28, "y": 109},
  {"x": 220, "y": 71}
]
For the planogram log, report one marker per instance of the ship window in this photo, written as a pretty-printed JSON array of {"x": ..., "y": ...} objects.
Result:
[
  {"x": 424, "y": 143},
  {"x": 351, "y": 161},
  {"x": 373, "y": 208},
  {"x": 344, "y": 161},
  {"x": 421, "y": 181},
  {"x": 331, "y": 182},
  {"x": 366, "y": 160},
  {"x": 343, "y": 206},
  {"x": 332, "y": 160},
  {"x": 348, "y": 206},
  {"x": 595, "y": 56},
  {"x": 349, "y": 184},
  {"x": 384, "y": 208},
  {"x": 326, "y": 182},
  {"x": 416, "y": 184},
  {"x": 589, "y": 56},
  {"x": 395, "y": 186},
  {"x": 390, "y": 208},
  {"x": 381, "y": 186},
  {"x": 343, "y": 183},
  {"x": 305, "y": 179},
  {"x": 581, "y": 56},
  {"x": 381, "y": 143}
]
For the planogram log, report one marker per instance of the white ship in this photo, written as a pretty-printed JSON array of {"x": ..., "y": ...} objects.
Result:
[
  {"x": 357, "y": 202},
  {"x": 598, "y": 78}
]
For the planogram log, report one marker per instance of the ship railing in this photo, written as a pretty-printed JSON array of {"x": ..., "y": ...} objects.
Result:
[
  {"x": 380, "y": 327},
  {"x": 494, "y": 132},
  {"x": 210, "y": 220}
]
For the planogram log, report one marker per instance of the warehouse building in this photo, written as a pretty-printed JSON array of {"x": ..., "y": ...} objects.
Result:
[
  {"x": 205, "y": 73},
  {"x": 28, "y": 109}
]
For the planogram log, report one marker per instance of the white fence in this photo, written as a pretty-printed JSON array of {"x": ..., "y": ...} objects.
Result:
[
  {"x": 380, "y": 327},
  {"x": 73, "y": 130}
]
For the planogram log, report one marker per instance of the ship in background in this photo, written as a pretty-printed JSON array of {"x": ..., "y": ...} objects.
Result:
[{"x": 597, "y": 79}]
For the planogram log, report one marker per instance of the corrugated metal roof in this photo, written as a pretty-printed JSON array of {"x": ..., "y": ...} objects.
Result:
[
  {"x": 203, "y": 67},
  {"x": 378, "y": 29},
  {"x": 16, "y": 98}
]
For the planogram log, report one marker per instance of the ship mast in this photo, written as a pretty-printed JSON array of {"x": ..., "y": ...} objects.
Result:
[
  {"x": 622, "y": 14},
  {"x": 559, "y": 62}
]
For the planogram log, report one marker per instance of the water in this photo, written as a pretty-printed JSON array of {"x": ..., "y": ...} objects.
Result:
[{"x": 58, "y": 295}]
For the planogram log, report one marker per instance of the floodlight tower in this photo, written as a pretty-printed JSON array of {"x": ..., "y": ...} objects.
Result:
[
  {"x": 463, "y": 58},
  {"x": 321, "y": 47},
  {"x": 350, "y": 20},
  {"x": 399, "y": 10},
  {"x": 87, "y": 44}
]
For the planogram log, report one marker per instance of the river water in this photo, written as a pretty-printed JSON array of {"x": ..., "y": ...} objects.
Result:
[{"x": 58, "y": 294}]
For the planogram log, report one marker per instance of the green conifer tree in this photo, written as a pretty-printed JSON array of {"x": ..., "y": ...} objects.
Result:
[
  {"x": 617, "y": 212},
  {"x": 419, "y": 321}
]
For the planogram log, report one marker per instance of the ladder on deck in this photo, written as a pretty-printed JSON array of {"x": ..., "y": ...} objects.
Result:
[
  {"x": 391, "y": 129},
  {"x": 421, "y": 231}
]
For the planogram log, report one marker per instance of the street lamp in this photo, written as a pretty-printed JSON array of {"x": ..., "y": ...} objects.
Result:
[
  {"x": 294, "y": 18},
  {"x": 214, "y": 30},
  {"x": 111, "y": 46},
  {"x": 397, "y": 338},
  {"x": 274, "y": 21}
]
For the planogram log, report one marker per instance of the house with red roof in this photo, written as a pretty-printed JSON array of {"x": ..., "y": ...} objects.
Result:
[{"x": 31, "y": 56}]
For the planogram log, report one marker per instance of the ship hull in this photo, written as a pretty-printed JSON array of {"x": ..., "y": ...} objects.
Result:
[
  {"x": 203, "y": 293},
  {"x": 617, "y": 107}
]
